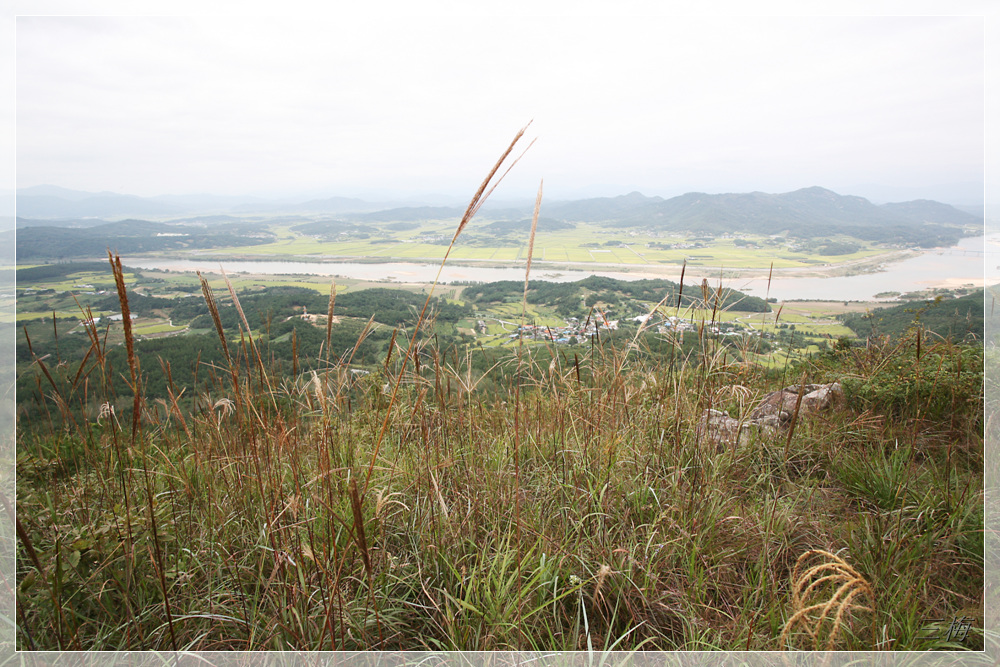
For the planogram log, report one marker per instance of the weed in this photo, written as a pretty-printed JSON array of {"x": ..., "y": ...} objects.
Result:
[{"x": 540, "y": 500}]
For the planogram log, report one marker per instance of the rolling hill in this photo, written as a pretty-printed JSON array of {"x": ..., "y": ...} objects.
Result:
[{"x": 805, "y": 213}]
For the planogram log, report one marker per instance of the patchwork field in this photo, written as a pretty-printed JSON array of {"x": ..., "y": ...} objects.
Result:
[{"x": 584, "y": 244}]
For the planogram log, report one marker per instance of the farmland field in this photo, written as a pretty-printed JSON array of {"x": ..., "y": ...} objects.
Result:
[{"x": 584, "y": 244}]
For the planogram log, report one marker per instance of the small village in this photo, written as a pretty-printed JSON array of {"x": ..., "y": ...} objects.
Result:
[{"x": 574, "y": 330}]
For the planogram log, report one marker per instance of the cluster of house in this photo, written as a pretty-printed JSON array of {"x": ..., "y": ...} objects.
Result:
[
  {"x": 600, "y": 322},
  {"x": 564, "y": 334},
  {"x": 84, "y": 286},
  {"x": 670, "y": 323},
  {"x": 112, "y": 317}
]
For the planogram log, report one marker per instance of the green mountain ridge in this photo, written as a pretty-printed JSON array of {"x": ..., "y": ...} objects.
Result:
[{"x": 804, "y": 213}]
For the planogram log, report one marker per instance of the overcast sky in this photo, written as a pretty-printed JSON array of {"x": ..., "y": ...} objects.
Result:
[{"x": 359, "y": 106}]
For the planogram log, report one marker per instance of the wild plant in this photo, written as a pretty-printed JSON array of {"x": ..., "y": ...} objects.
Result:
[{"x": 572, "y": 506}]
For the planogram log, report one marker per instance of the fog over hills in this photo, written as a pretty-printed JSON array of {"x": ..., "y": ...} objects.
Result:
[{"x": 70, "y": 204}]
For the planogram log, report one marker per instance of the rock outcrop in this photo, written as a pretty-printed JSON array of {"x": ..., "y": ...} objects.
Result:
[
  {"x": 717, "y": 427},
  {"x": 773, "y": 413},
  {"x": 781, "y": 403}
]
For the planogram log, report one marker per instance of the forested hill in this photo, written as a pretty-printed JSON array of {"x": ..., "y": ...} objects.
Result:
[
  {"x": 570, "y": 299},
  {"x": 950, "y": 318},
  {"x": 131, "y": 236},
  {"x": 805, "y": 213}
]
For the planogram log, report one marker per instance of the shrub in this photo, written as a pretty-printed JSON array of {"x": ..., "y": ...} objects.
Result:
[{"x": 941, "y": 383}]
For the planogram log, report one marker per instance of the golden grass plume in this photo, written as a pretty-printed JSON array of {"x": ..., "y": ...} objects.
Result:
[{"x": 824, "y": 598}]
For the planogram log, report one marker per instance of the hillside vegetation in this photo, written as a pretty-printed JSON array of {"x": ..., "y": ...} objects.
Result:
[
  {"x": 956, "y": 319},
  {"x": 130, "y": 236},
  {"x": 449, "y": 496},
  {"x": 575, "y": 505}
]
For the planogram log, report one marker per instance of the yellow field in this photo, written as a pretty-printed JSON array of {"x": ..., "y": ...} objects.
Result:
[
  {"x": 156, "y": 327},
  {"x": 587, "y": 243}
]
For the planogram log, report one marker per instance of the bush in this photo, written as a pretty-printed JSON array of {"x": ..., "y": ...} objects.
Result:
[{"x": 941, "y": 383}]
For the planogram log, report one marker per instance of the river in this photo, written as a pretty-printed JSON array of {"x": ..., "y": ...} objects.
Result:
[{"x": 970, "y": 262}]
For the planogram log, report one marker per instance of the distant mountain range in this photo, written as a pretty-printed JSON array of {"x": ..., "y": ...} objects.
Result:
[
  {"x": 50, "y": 202},
  {"x": 808, "y": 213}
]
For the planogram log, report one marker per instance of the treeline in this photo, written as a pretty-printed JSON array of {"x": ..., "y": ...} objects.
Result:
[
  {"x": 569, "y": 299},
  {"x": 523, "y": 226},
  {"x": 132, "y": 237},
  {"x": 195, "y": 366},
  {"x": 271, "y": 304},
  {"x": 957, "y": 319},
  {"x": 191, "y": 365},
  {"x": 831, "y": 247},
  {"x": 61, "y": 270},
  {"x": 291, "y": 344},
  {"x": 194, "y": 360},
  {"x": 333, "y": 229},
  {"x": 395, "y": 307}
]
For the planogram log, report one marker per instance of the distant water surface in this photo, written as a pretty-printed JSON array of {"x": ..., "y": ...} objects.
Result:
[{"x": 970, "y": 262}]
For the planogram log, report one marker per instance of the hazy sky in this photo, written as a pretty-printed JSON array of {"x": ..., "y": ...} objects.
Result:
[{"x": 352, "y": 104}]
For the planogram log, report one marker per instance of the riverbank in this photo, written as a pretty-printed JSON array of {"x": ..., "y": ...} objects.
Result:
[{"x": 900, "y": 271}]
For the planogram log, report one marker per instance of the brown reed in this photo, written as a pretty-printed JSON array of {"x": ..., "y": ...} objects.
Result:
[
  {"x": 477, "y": 201},
  {"x": 133, "y": 360},
  {"x": 329, "y": 314},
  {"x": 213, "y": 309},
  {"x": 823, "y": 595}
]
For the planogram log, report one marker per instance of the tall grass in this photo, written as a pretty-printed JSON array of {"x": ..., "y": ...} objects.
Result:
[{"x": 576, "y": 509}]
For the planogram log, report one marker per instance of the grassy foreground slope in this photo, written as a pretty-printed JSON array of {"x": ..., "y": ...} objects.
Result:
[{"x": 577, "y": 506}]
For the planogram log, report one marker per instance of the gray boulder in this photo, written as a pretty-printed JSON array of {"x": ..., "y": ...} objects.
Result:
[
  {"x": 772, "y": 413},
  {"x": 815, "y": 398},
  {"x": 719, "y": 428}
]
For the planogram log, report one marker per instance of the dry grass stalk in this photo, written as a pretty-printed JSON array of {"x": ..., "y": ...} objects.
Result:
[
  {"x": 133, "y": 363},
  {"x": 365, "y": 333},
  {"x": 133, "y": 360},
  {"x": 680, "y": 285},
  {"x": 477, "y": 201},
  {"x": 359, "y": 526},
  {"x": 116, "y": 269},
  {"x": 481, "y": 194},
  {"x": 362, "y": 542},
  {"x": 440, "y": 498},
  {"x": 517, "y": 397},
  {"x": 213, "y": 308},
  {"x": 795, "y": 413},
  {"x": 319, "y": 391},
  {"x": 329, "y": 314},
  {"x": 602, "y": 575},
  {"x": 253, "y": 345},
  {"x": 741, "y": 393},
  {"x": 531, "y": 246},
  {"x": 830, "y": 609},
  {"x": 392, "y": 348}
]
